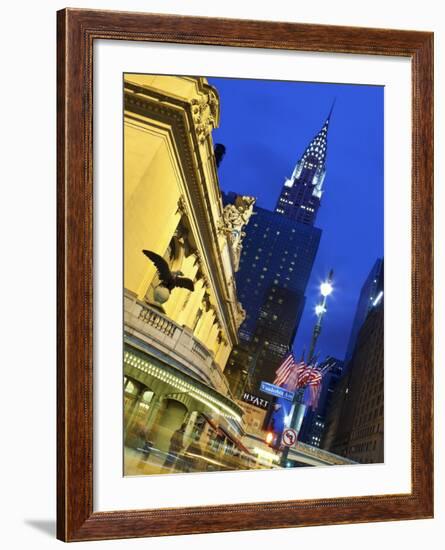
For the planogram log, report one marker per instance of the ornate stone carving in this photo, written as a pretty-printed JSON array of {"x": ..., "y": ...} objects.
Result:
[
  {"x": 237, "y": 215},
  {"x": 235, "y": 218},
  {"x": 198, "y": 257},
  {"x": 201, "y": 276},
  {"x": 206, "y": 302},
  {"x": 182, "y": 206},
  {"x": 240, "y": 315},
  {"x": 204, "y": 112}
]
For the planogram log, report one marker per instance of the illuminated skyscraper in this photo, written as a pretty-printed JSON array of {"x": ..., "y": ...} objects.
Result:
[
  {"x": 301, "y": 194},
  {"x": 279, "y": 250},
  {"x": 277, "y": 258}
]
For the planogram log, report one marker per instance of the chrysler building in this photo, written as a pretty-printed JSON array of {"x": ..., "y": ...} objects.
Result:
[{"x": 301, "y": 194}]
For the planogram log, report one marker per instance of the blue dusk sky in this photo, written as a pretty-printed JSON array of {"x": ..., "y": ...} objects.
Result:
[{"x": 266, "y": 126}]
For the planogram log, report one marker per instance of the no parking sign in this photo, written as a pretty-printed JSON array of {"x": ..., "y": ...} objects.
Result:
[{"x": 289, "y": 437}]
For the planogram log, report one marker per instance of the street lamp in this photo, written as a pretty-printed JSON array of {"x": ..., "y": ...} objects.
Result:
[
  {"x": 298, "y": 407},
  {"x": 326, "y": 289}
]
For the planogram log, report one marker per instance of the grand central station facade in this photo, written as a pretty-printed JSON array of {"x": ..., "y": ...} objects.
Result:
[{"x": 177, "y": 342}]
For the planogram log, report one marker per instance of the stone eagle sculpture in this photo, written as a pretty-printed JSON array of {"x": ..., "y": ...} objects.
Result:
[{"x": 169, "y": 279}]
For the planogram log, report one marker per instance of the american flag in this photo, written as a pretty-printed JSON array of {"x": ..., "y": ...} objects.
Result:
[
  {"x": 312, "y": 395},
  {"x": 313, "y": 387},
  {"x": 311, "y": 375},
  {"x": 284, "y": 370},
  {"x": 293, "y": 375},
  {"x": 289, "y": 374},
  {"x": 313, "y": 390},
  {"x": 294, "y": 380}
]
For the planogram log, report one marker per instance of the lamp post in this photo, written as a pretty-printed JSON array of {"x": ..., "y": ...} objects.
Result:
[
  {"x": 298, "y": 407},
  {"x": 320, "y": 310}
]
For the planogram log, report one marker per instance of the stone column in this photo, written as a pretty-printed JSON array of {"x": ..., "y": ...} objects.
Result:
[
  {"x": 213, "y": 335},
  {"x": 153, "y": 413},
  {"x": 183, "y": 296},
  {"x": 134, "y": 409},
  {"x": 189, "y": 314},
  {"x": 223, "y": 354},
  {"x": 163, "y": 239},
  {"x": 203, "y": 329}
]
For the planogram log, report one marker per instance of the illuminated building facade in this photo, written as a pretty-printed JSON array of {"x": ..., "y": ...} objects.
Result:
[{"x": 176, "y": 344}]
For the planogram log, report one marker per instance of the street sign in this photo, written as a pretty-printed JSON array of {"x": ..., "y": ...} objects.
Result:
[
  {"x": 289, "y": 437},
  {"x": 255, "y": 400},
  {"x": 271, "y": 389}
]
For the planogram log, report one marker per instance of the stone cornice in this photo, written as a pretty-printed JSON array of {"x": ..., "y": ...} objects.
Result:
[{"x": 177, "y": 115}]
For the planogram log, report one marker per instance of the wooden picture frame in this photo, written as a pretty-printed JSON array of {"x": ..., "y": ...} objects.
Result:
[{"x": 77, "y": 31}]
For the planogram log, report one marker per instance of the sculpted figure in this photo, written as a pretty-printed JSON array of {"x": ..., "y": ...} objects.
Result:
[
  {"x": 235, "y": 218},
  {"x": 237, "y": 215}
]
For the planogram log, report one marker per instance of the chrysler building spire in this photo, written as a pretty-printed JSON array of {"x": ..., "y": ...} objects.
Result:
[{"x": 301, "y": 194}]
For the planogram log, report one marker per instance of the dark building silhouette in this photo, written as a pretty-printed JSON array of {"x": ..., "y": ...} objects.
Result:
[
  {"x": 372, "y": 291},
  {"x": 237, "y": 369},
  {"x": 334, "y": 430},
  {"x": 279, "y": 250},
  {"x": 278, "y": 253},
  {"x": 314, "y": 423},
  {"x": 274, "y": 332},
  {"x": 354, "y": 424}
]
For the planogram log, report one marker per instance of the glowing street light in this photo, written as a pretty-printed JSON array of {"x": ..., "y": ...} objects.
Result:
[
  {"x": 326, "y": 288},
  {"x": 298, "y": 407}
]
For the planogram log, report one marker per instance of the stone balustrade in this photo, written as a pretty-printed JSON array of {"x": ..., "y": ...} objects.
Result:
[
  {"x": 159, "y": 322},
  {"x": 178, "y": 342}
]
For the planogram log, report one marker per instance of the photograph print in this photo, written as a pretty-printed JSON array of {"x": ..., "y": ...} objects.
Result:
[{"x": 253, "y": 274}]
